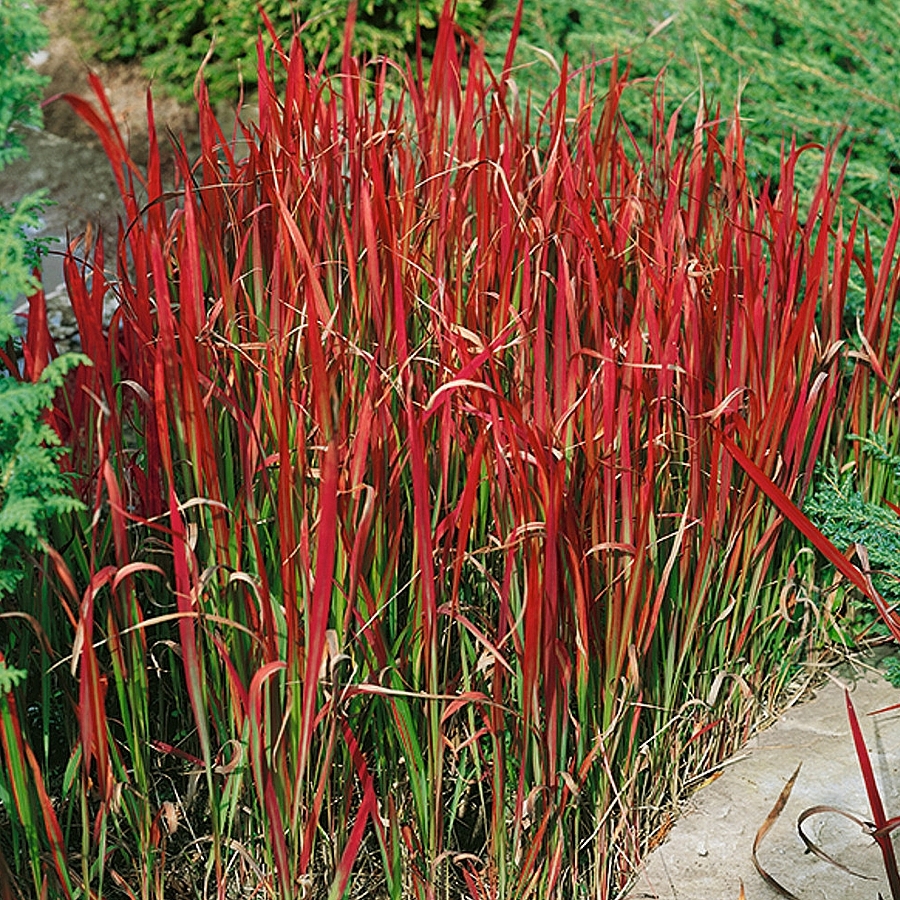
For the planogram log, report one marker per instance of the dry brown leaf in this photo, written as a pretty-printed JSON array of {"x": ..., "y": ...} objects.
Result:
[
  {"x": 818, "y": 851},
  {"x": 764, "y": 829}
]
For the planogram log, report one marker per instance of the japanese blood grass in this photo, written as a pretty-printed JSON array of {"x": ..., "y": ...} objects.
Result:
[{"x": 419, "y": 564}]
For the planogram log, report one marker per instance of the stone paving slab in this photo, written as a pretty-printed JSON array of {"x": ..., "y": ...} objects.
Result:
[{"x": 707, "y": 855}]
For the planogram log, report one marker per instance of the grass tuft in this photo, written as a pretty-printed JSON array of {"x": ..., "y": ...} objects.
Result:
[{"x": 428, "y": 459}]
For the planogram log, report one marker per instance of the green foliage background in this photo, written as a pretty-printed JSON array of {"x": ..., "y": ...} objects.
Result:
[
  {"x": 816, "y": 68},
  {"x": 809, "y": 67},
  {"x": 21, "y": 34},
  {"x": 173, "y": 38}
]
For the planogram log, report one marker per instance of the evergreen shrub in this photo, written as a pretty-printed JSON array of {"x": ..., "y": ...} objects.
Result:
[
  {"x": 812, "y": 69},
  {"x": 174, "y": 38},
  {"x": 21, "y": 34}
]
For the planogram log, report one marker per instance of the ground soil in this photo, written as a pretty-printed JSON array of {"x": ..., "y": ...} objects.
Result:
[{"x": 67, "y": 61}]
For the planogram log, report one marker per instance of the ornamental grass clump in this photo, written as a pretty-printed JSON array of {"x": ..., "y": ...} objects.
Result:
[{"x": 417, "y": 563}]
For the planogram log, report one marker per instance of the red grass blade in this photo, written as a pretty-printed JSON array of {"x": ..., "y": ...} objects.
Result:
[{"x": 880, "y": 820}]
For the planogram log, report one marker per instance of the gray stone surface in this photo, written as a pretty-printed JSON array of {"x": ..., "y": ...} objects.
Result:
[{"x": 707, "y": 855}]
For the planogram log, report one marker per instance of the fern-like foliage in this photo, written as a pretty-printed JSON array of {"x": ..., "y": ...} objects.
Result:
[
  {"x": 19, "y": 253},
  {"x": 32, "y": 488}
]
